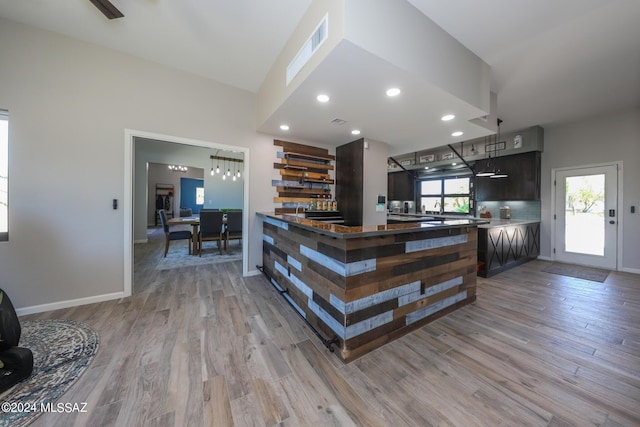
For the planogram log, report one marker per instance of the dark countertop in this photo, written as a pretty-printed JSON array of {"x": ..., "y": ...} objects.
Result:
[
  {"x": 346, "y": 232},
  {"x": 409, "y": 218},
  {"x": 486, "y": 222},
  {"x": 497, "y": 222}
]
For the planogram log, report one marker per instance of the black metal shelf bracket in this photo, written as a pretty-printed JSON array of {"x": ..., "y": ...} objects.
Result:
[{"x": 284, "y": 292}]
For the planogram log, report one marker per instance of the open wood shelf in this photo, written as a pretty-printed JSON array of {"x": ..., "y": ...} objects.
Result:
[
  {"x": 322, "y": 181},
  {"x": 304, "y": 167},
  {"x": 303, "y": 190},
  {"x": 326, "y": 158},
  {"x": 309, "y": 165},
  {"x": 294, "y": 199},
  {"x": 292, "y": 187}
]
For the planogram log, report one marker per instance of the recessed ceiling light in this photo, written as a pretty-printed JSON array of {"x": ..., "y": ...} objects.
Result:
[
  {"x": 457, "y": 133},
  {"x": 355, "y": 132},
  {"x": 453, "y": 164},
  {"x": 447, "y": 117},
  {"x": 394, "y": 91},
  {"x": 426, "y": 167},
  {"x": 322, "y": 98},
  {"x": 284, "y": 127}
]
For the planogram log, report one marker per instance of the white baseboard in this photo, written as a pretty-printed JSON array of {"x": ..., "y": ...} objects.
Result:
[
  {"x": 253, "y": 273},
  {"x": 545, "y": 258},
  {"x": 69, "y": 303}
]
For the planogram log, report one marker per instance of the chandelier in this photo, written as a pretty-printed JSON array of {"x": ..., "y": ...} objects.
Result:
[{"x": 177, "y": 168}]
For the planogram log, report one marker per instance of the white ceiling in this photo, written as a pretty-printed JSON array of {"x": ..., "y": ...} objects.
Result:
[
  {"x": 552, "y": 61},
  {"x": 234, "y": 42}
]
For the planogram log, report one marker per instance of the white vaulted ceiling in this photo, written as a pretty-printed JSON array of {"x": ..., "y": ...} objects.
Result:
[
  {"x": 551, "y": 61},
  {"x": 233, "y": 42}
]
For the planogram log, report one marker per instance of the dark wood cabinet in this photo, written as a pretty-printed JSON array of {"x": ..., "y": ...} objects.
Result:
[
  {"x": 401, "y": 186},
  {"x": 349, "y": 184},
  {"x": 523, "y": 182},
  {"x": 504, "y": 247}
]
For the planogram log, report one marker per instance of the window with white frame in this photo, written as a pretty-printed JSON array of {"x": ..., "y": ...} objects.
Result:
[{"x": 4, "y": 175}]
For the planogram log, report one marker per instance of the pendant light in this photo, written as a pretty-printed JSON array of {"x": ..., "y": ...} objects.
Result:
[
  {"x": 224, "y": 175},
  {"x": 497, "y": 172},
  {"x": 229, "y": 170},
  {"x": 487, "y": 171},
  {"x": 234, "y": 171},
  {"x": 218, "y": 165}
]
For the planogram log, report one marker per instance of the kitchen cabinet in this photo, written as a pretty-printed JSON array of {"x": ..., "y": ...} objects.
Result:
[
  {"x": 504, "y": 246},
  {"x": 523, "y": 182},
  {"x": 401, "y": 186}
]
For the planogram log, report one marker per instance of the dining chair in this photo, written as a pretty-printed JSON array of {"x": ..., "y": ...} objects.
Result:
[
  {"x": 211, "y": 228},
  {"x": 233, "y": 229},
  {"x": 173, "y": 235}
]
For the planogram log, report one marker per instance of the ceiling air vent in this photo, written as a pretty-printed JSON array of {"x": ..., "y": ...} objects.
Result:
[
  {"x": 312, "y": 44},
  {"x": 338, "y": 122}
]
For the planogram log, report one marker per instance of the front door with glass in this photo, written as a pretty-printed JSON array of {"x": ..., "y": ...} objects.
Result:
[{"x": 586, "y": 216}]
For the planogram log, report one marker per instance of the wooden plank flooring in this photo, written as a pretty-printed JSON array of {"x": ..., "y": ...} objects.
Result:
[{"x": 203, "y": 346}]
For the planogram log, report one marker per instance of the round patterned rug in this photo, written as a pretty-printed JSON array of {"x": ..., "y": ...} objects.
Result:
[{"x": 62, "y": 350}]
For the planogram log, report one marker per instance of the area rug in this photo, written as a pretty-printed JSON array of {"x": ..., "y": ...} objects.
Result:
[
  {"x": 62, "y": 350},
  {"x": 580, "y": 272},
  {"x": 177, "y": 258}
]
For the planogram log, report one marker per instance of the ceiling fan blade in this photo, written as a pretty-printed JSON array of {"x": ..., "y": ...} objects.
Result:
[{"x": 107, "y": 8}]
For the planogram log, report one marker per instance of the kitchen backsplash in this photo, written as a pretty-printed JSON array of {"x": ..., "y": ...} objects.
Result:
[{"x": 519, "y": 209}]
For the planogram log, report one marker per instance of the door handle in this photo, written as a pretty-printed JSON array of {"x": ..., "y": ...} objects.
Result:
[{"x": 612, "y": 222}]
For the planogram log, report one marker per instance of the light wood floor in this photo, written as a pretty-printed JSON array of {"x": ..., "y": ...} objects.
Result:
[{"x": 203, "y": 346}]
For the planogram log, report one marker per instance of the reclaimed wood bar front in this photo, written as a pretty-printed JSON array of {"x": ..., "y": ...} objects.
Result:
[{"x": 366, "y": 286}]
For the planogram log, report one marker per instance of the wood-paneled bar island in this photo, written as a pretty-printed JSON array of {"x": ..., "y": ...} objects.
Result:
[{"x": 361, "y": 287}]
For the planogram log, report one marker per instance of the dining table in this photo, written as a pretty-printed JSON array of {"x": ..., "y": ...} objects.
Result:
[{"x": 194, "y": 222}]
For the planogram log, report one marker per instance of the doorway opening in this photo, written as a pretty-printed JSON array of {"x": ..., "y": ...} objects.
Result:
[{"x": 136, "y": 211}]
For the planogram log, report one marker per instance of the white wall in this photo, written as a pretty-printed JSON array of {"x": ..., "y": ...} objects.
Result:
[
  {"x": 374, "y": 181},
  {"x": 69, "y": 104},
  {"x": 274, "y": 90},
  {"x": 603, "y": 139}
]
